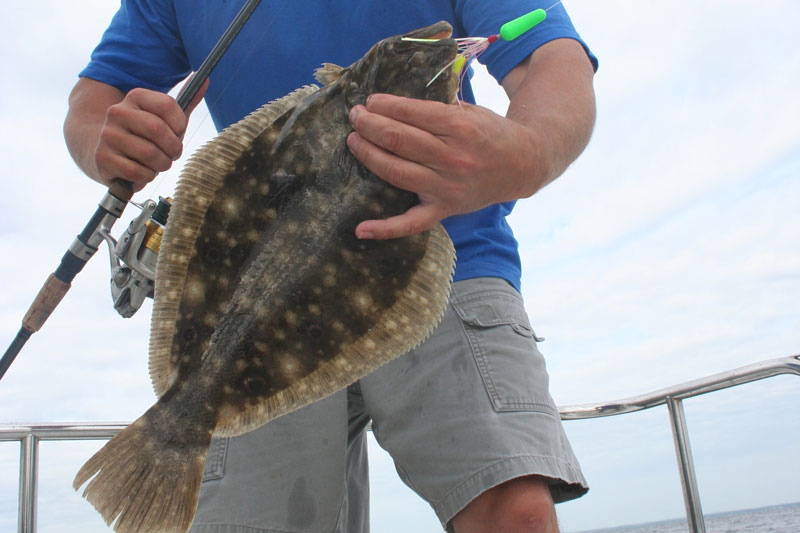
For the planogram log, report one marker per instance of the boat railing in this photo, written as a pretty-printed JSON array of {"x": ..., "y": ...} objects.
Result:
[{"x": 30, "y": 435}]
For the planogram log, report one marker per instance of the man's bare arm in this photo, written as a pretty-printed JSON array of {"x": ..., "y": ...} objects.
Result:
[
  {"x": 551, "y": 92},
  {"x": 132, "y": 136},
  {"x": 461, "y": 159}
]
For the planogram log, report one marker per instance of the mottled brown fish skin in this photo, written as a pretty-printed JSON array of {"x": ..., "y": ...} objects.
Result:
[
  {"x": 306, "y": 154},
  {"x": 277, "y": 288}
]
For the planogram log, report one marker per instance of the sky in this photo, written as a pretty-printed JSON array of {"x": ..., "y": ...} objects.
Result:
[{"x": 669, "y": 251}]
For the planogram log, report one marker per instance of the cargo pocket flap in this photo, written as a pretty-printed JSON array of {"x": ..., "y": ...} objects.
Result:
[
  {"x": 484, "y": 315},
  {"x": 215, "y": 461}
]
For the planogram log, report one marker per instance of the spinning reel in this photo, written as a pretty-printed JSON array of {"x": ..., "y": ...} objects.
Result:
[{"x": 133, "y": 257}]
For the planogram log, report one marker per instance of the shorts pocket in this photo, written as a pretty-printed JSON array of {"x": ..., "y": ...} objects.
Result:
[
  {"x": 215, "y": 461},
  {"x": 503, "y": 345}
]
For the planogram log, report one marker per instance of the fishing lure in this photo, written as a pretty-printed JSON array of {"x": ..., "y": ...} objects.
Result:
[{"x": 469, "y": 48}]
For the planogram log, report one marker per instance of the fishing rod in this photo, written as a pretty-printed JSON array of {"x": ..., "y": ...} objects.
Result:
[{"x": 132, "y": 281}]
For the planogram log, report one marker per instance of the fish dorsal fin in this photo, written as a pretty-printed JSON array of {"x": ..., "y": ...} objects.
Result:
[
  {"x": 197, "y": 186},
  {"x": 328, "y": 73},
  {"x": 402, "y": 327}
]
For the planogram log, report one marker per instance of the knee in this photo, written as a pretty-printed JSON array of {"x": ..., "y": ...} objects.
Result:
[{"x": 522, "y": 505}]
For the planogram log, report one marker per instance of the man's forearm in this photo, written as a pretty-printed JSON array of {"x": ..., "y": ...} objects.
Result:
[
  {"x": 88, "y": 103},
  {"x": 551, "y": 94}
]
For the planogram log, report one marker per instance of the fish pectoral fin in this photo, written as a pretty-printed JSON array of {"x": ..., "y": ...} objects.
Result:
[{"x": 328, "y": 73}]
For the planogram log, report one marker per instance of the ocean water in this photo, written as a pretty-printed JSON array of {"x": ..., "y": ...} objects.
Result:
[{"x": 774, "y": 519}]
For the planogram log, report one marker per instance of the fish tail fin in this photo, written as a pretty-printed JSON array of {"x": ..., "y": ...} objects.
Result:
[{"x": 144, "y": 481}]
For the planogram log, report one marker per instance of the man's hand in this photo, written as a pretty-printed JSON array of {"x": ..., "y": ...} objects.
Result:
[
  {"x": 457, "y": 159},
  {"x": 132, "y": 136},
  {"x": 461, "y": 159}
]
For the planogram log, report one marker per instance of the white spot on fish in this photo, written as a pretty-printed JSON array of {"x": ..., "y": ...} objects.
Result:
[
  {"x": 195, "y": 290},
  {"x": 290, "y": 367},
  {"x": 231, "y": 206},
  {"x": 362, "y": 301},
  {"x": 342, "y": 363}
]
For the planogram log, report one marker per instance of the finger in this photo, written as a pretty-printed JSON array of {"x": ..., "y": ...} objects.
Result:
[
  {"x": 408, "y": 142},
  {"x": 116, "y": 140},
  {"x": 116, "y": 165},
  {"x": 427, "y": 115},
  {"x": 162, "y": 106},
  {"x": 402, "y": 173},
  {"x": 147, "y": 154},
  {"x": 419, "y": 218},
  {"x": 145, "y": 125}
]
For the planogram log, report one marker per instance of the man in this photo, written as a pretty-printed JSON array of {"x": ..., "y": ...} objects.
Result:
[{"x": 467, "y": 417}]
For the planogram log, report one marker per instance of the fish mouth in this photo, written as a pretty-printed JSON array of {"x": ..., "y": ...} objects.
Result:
[
  {"x": 440, "y": 30},
  {"x": 439, "y": 36}
]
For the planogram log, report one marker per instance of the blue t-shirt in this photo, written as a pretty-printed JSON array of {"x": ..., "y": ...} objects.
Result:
[{"x": 157, "y": 43}]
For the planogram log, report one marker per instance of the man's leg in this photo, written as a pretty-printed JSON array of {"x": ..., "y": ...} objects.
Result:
[
  {"x": 305, "y": 471},
  {"x": 522, "y": 505},
  {"x": 468, "y": 417}
]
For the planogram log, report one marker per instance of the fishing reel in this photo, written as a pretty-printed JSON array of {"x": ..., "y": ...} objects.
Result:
[{"x": 133, "y": 257}]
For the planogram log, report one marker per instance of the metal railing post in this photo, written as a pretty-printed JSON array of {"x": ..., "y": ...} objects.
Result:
[
  {"x": 28, "y": 476},
  {"x": 30, "y": 435},
  {"x": 691, "y": 495}
]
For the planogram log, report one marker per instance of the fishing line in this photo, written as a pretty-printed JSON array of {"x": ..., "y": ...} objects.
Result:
[
  {"x": 470, "y": 48},
  {"x": 157, "y": 183}
]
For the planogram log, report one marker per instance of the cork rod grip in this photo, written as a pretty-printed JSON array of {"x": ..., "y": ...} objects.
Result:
[{"x": 45, "y": 302}]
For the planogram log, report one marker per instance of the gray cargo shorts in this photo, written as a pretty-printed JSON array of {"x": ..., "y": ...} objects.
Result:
[{"x": 468, "y": 410}]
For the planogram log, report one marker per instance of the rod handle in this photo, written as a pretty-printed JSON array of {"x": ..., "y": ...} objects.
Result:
[
  {"x": 45, "y": 302},
  {"x": 122, "y": 189}
]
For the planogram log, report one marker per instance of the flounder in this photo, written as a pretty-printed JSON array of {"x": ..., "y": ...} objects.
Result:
[{"x": 265, "y": 300}]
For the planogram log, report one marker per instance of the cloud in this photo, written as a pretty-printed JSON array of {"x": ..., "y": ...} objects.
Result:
[{"x": 669, "y": 251}]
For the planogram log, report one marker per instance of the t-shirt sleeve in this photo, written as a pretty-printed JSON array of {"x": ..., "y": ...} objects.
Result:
[
  {"x": 481, "y": 17},
  {"x": 142, "y": 47}
]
